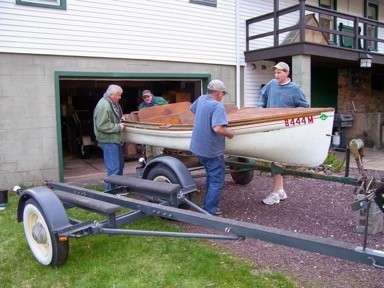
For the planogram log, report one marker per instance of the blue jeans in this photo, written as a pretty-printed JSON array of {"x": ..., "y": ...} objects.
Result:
[
  {"x": 113, "y": 160},
  {"x": 215, "y": 170}
]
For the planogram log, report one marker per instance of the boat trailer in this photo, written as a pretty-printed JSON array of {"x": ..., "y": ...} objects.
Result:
[{"x": 48, "y": 228}]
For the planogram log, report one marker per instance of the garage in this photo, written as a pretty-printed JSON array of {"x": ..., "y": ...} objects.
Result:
[{"x": 79, "y": 96}]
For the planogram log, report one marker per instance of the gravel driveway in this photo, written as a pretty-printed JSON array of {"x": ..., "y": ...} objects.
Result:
[{"x": 314, "y": 207}]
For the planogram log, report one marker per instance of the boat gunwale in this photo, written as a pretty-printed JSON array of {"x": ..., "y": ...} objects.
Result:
[{"x": 257, "y": 119}]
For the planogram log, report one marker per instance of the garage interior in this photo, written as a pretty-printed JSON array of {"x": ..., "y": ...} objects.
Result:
[{"x": 78, "y": 98}]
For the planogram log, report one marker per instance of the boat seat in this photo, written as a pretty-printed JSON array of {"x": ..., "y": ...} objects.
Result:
[
  {"x": 150, "y": 113},
  {"x": 133, "y": 117},
  {"x": 175, "y": 113},
  {"x": 230, "y": 107},
  {"x": 187, "y": 117},
  {"x": 169, "y": 119}
]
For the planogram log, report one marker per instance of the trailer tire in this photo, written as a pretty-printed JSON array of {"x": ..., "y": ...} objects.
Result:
[
  {"x": 243, "y": 177},
  {"x": 50, "y": 251},
  {"x": 164, "y": 173}
]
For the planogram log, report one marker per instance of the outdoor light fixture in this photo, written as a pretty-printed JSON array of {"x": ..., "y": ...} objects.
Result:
[{"x": 365, "y": 60}]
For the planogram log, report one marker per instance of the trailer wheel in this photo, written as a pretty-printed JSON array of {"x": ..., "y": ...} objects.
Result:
[
  {"x": 45, "y": 246},
  {"x": 163, "y": 173},
  {"x": 243, "y": 177}
]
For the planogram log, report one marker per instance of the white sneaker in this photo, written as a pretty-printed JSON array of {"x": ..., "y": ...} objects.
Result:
[
  {"x": 282, "y": 195},
  {"x": 273, "y": 198}
]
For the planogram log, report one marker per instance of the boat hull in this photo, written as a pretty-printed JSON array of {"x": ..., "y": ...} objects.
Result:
[{"x": 299, "y": 138}]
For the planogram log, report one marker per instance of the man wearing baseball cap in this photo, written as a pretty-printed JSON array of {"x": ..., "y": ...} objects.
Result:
[
  {"x": 149, "y": 100},
  {"x": 280, "y": 92},
  {"x": 208, "y": 141}
]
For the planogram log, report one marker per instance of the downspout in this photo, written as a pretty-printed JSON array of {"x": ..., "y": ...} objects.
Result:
[{"x": 238, "y": 84}]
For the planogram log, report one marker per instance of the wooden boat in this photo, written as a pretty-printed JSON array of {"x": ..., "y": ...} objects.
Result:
[{"x": 298, "y": 136}]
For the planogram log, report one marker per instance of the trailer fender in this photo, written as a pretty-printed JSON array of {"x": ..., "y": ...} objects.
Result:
[
  {"x": 181, "y": 171},
  {"x": 53, "y": 209}
]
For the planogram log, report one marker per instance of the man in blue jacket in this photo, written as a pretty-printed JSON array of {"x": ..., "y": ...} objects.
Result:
[{"x": 280, "y": 92}]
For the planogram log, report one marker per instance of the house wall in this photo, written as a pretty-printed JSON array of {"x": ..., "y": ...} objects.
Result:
[
  {"x": 255, "y": 73},
  {"x": 97, "y": 37},
  {"x": 158, "y": 30},
  {"x": 255, "y": 77},
  {"x": 258, "y": 73},
  {"x": 356, "y": 8},
  {"x": 355, "y": 96},
  {"x": 110, "y": 37},
  {"x": 250, "y": 9},
  {"x": 368, "y": 127},
  {"x": 29, "y": 151}
]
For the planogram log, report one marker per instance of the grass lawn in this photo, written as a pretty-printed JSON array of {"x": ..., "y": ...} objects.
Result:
[{"x": 126, "y": 261}]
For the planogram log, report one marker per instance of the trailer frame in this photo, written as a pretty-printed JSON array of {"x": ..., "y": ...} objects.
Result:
[{"x": 51, "y": 228}]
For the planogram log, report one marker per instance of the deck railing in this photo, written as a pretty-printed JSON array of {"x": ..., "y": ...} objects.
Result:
[{"x": 305, "y": 23}]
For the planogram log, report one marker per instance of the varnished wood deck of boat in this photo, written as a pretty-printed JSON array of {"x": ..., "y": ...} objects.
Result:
[
  {"x": 253, "y": 115},
  {"x": 178, "y": 115}
]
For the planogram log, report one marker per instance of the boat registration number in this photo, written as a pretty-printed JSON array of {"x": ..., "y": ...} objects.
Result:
[{"x": 299, "y": 121}]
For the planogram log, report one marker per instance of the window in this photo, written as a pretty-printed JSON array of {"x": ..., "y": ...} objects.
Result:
[
  {"x": 212, "y": 3},
  {"x": 327, "y": 21},
  {"x": 372, "y": 13},
  {"x": 56, "y": 4}
]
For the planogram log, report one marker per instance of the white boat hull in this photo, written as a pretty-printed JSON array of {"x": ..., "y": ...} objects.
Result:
[{"x": 299, "y": 140}]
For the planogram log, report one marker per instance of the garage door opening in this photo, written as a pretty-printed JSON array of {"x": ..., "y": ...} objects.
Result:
[{"x": 78, "y": 98}]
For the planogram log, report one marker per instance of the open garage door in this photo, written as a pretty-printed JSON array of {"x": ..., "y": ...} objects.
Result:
[{"x": 79, "y": 96}]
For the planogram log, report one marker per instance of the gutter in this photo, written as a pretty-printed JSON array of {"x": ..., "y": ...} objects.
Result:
[{"x": 238, "y": 85}]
